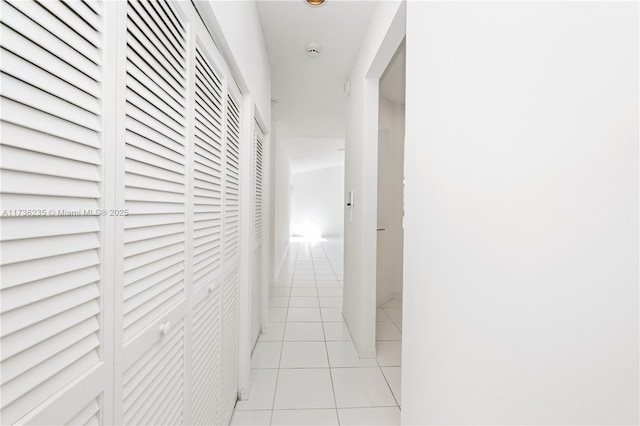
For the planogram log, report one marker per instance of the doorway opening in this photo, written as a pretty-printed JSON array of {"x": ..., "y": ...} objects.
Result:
[{"x": 390, "y": 208}]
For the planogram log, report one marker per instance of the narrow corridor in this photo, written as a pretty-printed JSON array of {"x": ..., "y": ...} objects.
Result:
[{"x": 305, "y": 369}]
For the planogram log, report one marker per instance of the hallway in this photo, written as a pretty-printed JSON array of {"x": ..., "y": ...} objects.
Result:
[
  {"x": 305, "y": 369},
  {"x": 289, "y": 212}
]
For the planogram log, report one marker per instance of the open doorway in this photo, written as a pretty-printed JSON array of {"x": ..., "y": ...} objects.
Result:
[{"x": 390, "y": 209}]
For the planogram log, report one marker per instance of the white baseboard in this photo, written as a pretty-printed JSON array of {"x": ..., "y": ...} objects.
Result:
[
  {"x": 371, "y": 354},
  {"x": 390, "y": 298},
  {"x": 243, "y": 394}
]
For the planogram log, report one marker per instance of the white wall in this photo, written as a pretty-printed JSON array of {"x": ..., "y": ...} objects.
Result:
[
  {"x": 384, "y": 35},
  {"x": 318, "y": 198},
  {"x": 390, "y": 194},
  {"x": 282, "y": 204},
  {"x": 521, "y": 228}
]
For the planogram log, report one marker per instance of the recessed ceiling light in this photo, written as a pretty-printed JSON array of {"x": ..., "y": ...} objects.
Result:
[{"x": 315, "y": 2}]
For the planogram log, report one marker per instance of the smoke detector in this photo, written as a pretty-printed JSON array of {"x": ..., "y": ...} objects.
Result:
[{"x": 313, "y": 50}]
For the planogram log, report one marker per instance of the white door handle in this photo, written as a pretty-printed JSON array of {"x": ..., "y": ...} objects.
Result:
[{"x": 165, "y": 328}]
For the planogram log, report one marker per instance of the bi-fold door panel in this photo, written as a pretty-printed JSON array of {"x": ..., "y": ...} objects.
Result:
[
  {"x": 208, "y": 171},
  {"x": 256, "y": 276},
  {"x": 154, "y": 231},
  {"x": 51, "y": 368},
  {"x": 208, "y": 189}
]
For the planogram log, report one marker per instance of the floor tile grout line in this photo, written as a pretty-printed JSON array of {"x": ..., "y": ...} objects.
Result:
[
  {"x": 326, "y": 348},
  {"x": 388, "y": 384},
  {"x": 275, "y": 390},
  {"x": 389, "y": 316}
]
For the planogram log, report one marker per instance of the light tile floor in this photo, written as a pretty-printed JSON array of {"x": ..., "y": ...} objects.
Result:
[{"x": 305, "y": 368}]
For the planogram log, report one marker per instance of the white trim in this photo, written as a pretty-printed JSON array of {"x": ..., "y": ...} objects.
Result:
[
  {"x": 118, "y": 178},
  {"x": 109, "y": 197}
]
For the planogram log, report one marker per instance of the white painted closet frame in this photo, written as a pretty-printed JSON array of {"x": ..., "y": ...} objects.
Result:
[{"x": 111, "y": 106}]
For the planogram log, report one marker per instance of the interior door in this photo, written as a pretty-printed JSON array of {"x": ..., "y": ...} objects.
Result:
[
  {"x": 154, "y": 235},
  {"x": 52, "y": 363}
]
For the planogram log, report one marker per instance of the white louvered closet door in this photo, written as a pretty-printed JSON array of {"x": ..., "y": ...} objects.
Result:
[
  {"x": 229, "y": 291},
  {"x": 52, "y": 368},
  {"x": 256, "y": 285},
  {"x": 155, "y": 174},
  {"x": 207, "y": 219}
]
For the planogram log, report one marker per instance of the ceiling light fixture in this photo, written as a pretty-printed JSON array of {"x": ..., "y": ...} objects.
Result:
[{"x": 315, "y": 2}]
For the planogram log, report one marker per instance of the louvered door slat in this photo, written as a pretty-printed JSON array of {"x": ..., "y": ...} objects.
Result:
[
  {"x": 132, "y": 222},
  {"x": 209, "y": 154},
  {"x": 207, "y": 177},
  {"x": 51, "y": 129},
  {"x": 71, "y": 366},
  {"x": 94, "y": 5},
  {"x": 145, "y": 28},
  {"x": 19, "y": 68},
  {"x": 205, "y": 125},
  {"x": 39, "y": 56},
  {"x": 138, "y": 70},
  {"x": 85, "y": 13},
  {"x": 153, "y": 59},
  {"x": 206, "y": 360},
  {"x": 153, "y": 97},
  {"x": 229, "y": 344},
  {"x": 16, "y": 274},
  {"x": 142, "y": 162},
  {"x": 172, "y": 23},
  {"x": 88, "y": 415},
  {"x": 43, "y": 37},
  {"x": 21, "y": 160},
  {"x": 18, "y": 136},
  {"x": 19, "y": 91},
  {"x": 14, "y": 344},
  {"x": 155, "y": 380},
  {"x": 55, "y": 26},
  {"x": 232, "y": 181},
  {"x": 39, "y": 353},
  {"x": 38, "y": 120},
  {"x": 208, "y": 89},
  {"x": 35, "y": 291},
  {"x": 150, "y": 122},
  {"x": 135, "y": 167},
  {"x": 66, "y": 14},
  {"x": 19, "y": 319},
  {"x": 257, "y": 200}
]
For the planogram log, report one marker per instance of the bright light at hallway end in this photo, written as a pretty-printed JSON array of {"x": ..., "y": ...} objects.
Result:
[{"x": 307, "y": 232}]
